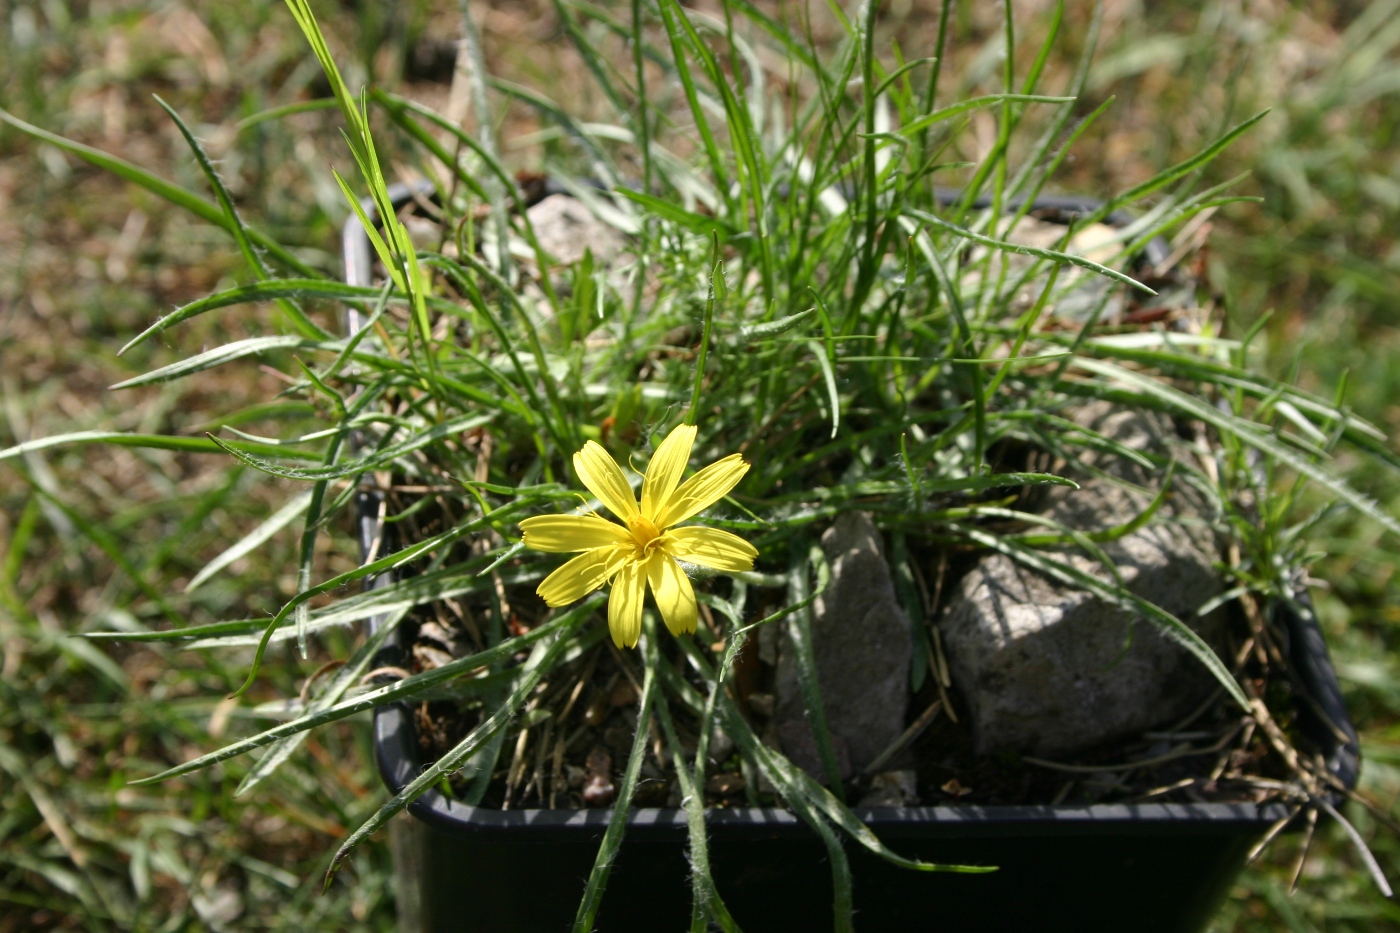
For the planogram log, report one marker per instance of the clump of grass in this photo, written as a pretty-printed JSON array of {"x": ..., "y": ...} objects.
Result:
[{"x": 797, "y": 268}]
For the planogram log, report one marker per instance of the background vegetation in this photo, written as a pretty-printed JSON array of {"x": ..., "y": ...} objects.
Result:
[{"x": 92, "y": 537}]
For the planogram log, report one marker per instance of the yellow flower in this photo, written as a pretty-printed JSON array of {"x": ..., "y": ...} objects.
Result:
[{"x": 650, "y": 547}]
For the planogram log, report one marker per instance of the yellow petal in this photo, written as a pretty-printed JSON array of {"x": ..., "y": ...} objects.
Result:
[
  {"x": 604, "y": 479},
  {"x": 702, "y": 490},
  {"x": 667, "y": 465},
  {"x": 674, "y": 596},
  {"x": 625, "y": 604},
  {"x": 560, "y": 534},
  {"x": 710, "y": 547},
  {"x": 581, "y": 576}
]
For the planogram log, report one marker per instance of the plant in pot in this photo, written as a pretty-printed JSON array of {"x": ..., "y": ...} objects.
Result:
[{"x": 996, "y": 519}]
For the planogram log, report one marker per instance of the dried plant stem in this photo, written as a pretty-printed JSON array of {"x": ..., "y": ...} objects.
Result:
[
  {"x": 316, "y": 674},
  {"x": 942, "y": 679},
  {"x": 560, "y": 744},
  {"x": 516, "y": 772},
  {"x": 1278, "y": 827},
  {"x": 1166, "y": 789},
  {"x": 905, "y": 739},
  {"x": 1141, "y": 763},
  {"x": 1261, "y": 631},
  {"x": 1277, "y": 739},
  {"x": 536, "y": 785},
  {"x": 1303, "y": 850},
  {"x": 778, "y": 413},
  {"x": 1362, "y": 849},
  {"x": 1376, "y": 812},
  {"x": 627, "y": 668}
]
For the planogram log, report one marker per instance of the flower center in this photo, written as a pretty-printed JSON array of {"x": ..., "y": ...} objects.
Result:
[{"x": 644, "y": 531}]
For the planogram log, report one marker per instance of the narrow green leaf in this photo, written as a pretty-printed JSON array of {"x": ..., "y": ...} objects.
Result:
[
  {"x": 976, "y": 103},
  {"x": 202, "y": 445},
  {"x": 227, "y": 353},
  {"x": 234, "y": 224},
  {"x": 286, "y": 110},
  {"x": 180, "y": 197},
  {"x": 755, "y": 332},
  {"x": 669, "y": 210},
  {"x": 1005, "y": 246},
  {"x": 1253, "y": 434},
  {"x": 829, "y": 375},
  {"x": 360, "y": 464},
  {"x": 324, "y": 289},
  {"x": 254, "y": 539},
  {"x": 799, "y": 633},
  {"x": 381, "y": 696}
]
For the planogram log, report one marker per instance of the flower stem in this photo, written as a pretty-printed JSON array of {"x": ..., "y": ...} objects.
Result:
[{"x": 717, "y": 286}]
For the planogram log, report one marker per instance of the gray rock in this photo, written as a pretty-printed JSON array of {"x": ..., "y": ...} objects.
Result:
[
  {"x": 861, "y": 640},
  {"x": 892, "y": 789},
  {"x": 1047, "y": 669},
  {"x": 566, "y": 227}
]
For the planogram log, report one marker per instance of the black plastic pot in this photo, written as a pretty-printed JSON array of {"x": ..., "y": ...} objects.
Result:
[
  {"x": 1147, "y": 868},
  {"x": 1152, "y": 868}
]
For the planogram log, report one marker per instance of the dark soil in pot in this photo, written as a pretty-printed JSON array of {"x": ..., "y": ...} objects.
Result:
[{"x": 574, "y": 757}]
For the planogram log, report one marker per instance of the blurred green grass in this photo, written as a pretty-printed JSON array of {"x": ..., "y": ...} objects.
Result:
[{"x": 90, "y": 535}]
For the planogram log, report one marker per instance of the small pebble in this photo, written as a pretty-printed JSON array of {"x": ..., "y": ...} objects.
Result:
[
  {"x": 623, "y": 694},
  {"x": 955, "y": 789},
  {"x": 430, "y": 658},
  {"x": 724, "y": 785},
  {"x": 619, "y": 739},
  {"x": 597, "y": 710},
  {"x": 891, "y": 789},
  {"x": 762, "y": 704},
  {"x": 598, "y": 790},
  {"x": 721, "y": 746},
  {"x": 436, "y": 632}
]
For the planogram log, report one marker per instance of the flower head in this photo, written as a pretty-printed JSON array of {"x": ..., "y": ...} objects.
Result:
[{"x": 647, "y": 548}]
